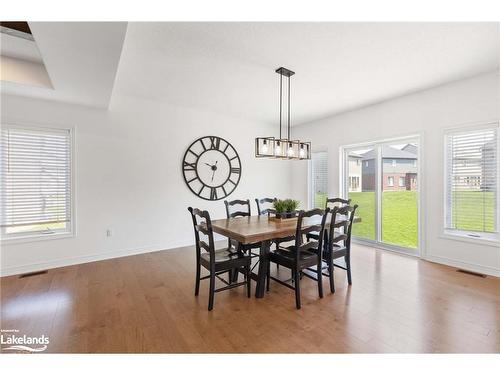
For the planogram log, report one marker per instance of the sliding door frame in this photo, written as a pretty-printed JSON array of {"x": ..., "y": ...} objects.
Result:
[{"x": 344, "y": 190}]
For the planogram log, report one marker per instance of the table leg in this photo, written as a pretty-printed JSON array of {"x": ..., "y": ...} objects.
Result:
[{"x": 263, "y": 266}]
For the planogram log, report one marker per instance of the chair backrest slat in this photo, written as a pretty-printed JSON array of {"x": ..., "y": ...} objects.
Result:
[
  {"x": 342, "y": 217},
  {"x": 231, "y": 212},
  {"x": 203, "y": 224},
  {"x": 301, "y": 230},
  {"x": 261, "y": 209},
  {"x": 337, "y": 202}
]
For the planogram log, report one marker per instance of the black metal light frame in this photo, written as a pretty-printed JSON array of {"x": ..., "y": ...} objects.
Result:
[{"x": 283, "y": 148}]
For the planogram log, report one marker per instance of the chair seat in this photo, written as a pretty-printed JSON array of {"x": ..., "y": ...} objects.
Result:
[
  {"x": 225, "y": 259},
  {"x": 313, "y": 235},
  {"x": 278, "y": 241},
  {"x": 337, "y": 252},
  {"x": 248, "y": 246},
  {"x": 285, "y": 256},
  {"x": 244, "y": 247}
]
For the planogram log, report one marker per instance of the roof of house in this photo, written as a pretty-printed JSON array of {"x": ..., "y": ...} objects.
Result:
[
  {"x": 389, "y": 153},
  {"x": 411, "y": 147}
]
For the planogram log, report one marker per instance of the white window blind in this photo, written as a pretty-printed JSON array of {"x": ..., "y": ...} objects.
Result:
[
  {"x": 471, "y": 180},
  {"x": 35, "y": 173},
  {"x": 319, "y": 179}
]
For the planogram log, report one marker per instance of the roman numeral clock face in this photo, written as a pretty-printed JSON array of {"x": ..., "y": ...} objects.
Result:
[{"x": 212, "y": 168}]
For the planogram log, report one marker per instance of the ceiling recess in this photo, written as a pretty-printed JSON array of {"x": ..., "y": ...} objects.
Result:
[{"x": 19, "y": 29}]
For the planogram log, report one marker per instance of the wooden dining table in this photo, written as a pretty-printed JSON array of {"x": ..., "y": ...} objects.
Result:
[{"x": 252, "y": 229}]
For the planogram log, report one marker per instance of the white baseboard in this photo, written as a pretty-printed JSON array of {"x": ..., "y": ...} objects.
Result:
[
  {"x": 486, "y": 270},
  {"x": 33, "y": 267}
]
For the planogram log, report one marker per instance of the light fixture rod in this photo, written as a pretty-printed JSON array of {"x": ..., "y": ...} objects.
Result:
[
  {"x": 288, "y": 107},
  {"x": 283, "y": 147},
  {"x": 281, "y": 98}
]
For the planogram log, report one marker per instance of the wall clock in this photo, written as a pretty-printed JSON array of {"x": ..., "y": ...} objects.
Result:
[{"x": 211, "y": 168}]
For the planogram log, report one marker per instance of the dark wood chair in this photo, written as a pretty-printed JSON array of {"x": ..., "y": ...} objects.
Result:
[
  {"x": 331, "y": 203},
  {"x": 302, "y": 255},
  {"x": 244, "y": 209},
  {"x": 216, "y": 262},
  {"x": 339, "y": 242},
  {"x": 261, "y": 209},
  {"x": 268, "y": 210},
  {"x": 241, "y": 208}
]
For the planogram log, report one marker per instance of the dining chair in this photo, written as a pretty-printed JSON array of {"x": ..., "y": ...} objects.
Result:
[
  {"x": 302, "y": 255},
  {"x": 215, "y": 261},
  {"x": 240, "y": 208},
  {"x": 261, "y": 209},
  {"x": 339, "y": 242},
  {"x": 264, "y": 211},
  {"x": 331, "y": 203}
]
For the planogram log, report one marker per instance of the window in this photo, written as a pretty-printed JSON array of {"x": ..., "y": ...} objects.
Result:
[
  {"x": 471, "y": 182},
  {"x": 319, "y": 179},
  {"x": 35, "y": 171},
  {"x": 393, "y": 162},
  {"x": 388, "y": 215},
  {"x": 353, "y": 183}
]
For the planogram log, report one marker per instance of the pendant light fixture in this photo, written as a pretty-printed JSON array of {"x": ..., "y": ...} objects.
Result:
[{"x": 283, "y": 147}]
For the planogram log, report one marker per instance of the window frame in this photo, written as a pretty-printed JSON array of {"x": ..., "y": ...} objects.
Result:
[
  {"x": 419, "y": 138},
  {"x": 469, "y": 235},
  {"x": 310, "y": 182},
  {"x": 42, "y": 235},
  {"x": 390, "y": 181}
]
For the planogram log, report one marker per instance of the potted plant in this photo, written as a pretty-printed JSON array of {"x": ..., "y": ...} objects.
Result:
[{"x": 286, "y": 208}]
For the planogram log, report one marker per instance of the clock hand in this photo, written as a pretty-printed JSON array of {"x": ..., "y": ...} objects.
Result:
[
  {"x": 213, "y": 174},
  {"x": 208, "y": 164}
]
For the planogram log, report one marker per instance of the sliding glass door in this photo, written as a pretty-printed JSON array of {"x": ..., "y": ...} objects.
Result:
[
  {"x": 382, "y": 179},
  {"x": 360, "y": 185}
]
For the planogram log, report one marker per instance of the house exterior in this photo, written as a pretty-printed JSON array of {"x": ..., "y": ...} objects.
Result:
[
  {"x": 355, "y": 172},
  {"x": 486, "y": 180},
  {"x": 399, "y": 169}
]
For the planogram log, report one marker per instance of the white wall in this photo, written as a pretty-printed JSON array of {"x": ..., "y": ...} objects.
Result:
[
  {"x": 426, "y": 113},
  {"x": 129, "y": 178}
]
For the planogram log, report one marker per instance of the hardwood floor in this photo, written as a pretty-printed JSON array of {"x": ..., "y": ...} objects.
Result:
[{"x": 146, "y": 303}]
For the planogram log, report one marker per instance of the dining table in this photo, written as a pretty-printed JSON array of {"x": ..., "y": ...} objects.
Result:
[{"x": 263, "y": 229}]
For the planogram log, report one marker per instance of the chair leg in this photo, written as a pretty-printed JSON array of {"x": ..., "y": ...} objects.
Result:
[
  {"x": 330, "y": 274},
  {"x": 268, "y": 278},
  {"x": 235, "y": 272},
  {"x": 211, "y": 292},
  {"x": 230, "y": 276},
  {"x": 197, "y": 283},
  {"x": 249, "y": 281},
  {"x": 348, "y": 266},
  {"x": 320, "y": 278},
  {"x": 297, "y": 290}
]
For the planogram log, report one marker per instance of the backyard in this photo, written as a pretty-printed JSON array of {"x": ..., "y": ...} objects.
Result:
[{"x": 399, "y": 214}]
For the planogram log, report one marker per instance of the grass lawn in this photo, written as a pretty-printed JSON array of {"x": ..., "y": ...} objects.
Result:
[{"x": 399, "y": 214}]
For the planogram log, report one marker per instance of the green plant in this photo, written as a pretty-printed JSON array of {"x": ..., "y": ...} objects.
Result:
[
  {"x": 279, "y": 206},
  {"x": 285, "y": 205}
]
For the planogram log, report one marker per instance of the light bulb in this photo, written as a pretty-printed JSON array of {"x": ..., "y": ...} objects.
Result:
[
  {"x": 290, "y": 151},
  {"x": 264, "y": 148},
  {"x": 302, "y": 152},
  {"x": 278, "y": 149}
]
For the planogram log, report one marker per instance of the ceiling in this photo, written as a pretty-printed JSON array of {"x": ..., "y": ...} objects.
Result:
[
  {"x": 81, "y": 59},
  {"x": 229, "y": 67}
]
